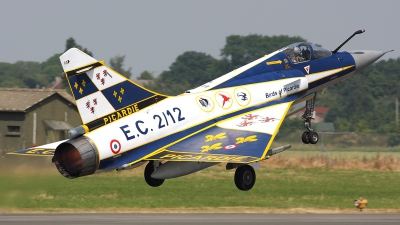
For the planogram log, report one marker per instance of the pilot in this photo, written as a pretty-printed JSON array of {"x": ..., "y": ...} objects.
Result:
[
  {"x": 297, "y": 54},
  {"x": 301, "y": 53}
]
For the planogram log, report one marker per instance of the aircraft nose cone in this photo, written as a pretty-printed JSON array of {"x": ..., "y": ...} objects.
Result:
[{"x": 364, "y": 58}]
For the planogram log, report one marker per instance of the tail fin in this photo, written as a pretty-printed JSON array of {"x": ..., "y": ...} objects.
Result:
[{"x": 102, "y": 95}]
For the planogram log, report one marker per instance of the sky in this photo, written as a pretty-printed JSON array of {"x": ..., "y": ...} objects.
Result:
[{"x": 152, "y": 34}]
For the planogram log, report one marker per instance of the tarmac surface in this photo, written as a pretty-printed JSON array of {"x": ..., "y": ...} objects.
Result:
[{"x": 200, "y": 218}]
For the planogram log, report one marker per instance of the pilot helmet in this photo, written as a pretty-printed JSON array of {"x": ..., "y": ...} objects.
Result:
[{"x": 296, "y": 50}]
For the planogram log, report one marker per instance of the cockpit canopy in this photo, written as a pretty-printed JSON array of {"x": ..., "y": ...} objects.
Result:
[{"x": 302, "y": 52}]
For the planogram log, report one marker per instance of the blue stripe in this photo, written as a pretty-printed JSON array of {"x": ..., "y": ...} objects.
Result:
[
  {"x": 265, "y": 77},
  {"x": 263, "y": 73}
]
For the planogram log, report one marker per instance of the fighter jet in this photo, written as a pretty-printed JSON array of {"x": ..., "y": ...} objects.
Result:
[{"x": 231, "y": 120}]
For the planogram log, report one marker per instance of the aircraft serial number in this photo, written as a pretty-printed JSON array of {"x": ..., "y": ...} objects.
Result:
[{"x": 163, "y": 120}]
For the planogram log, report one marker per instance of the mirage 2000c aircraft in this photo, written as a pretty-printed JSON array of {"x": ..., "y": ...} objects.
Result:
[{"x": 232, "y": 119}]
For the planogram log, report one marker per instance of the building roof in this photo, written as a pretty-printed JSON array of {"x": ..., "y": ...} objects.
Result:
[
  {"x": 21, "y": 99},
  {"x": 322, "y": 110}
]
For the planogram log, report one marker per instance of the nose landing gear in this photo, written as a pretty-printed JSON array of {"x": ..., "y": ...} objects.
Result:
[{"x": 309, "y": 136}]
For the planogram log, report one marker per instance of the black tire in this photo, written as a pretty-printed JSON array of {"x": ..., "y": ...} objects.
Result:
[
  {"x": 147, "y": 176},
  {"x": 313, "y": 137},
  {"x": 305, "y": 138},
  {"x": 245, "y": 177}
]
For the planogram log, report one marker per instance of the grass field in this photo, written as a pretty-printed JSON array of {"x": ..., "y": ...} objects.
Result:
[{"x": 37, "y": 186}]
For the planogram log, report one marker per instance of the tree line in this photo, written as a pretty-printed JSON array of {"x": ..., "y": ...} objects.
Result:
[
  {"x": 366, "y": 103},
  {"x": 192, "y": 69},
  {"x": 27, "y": 74}
]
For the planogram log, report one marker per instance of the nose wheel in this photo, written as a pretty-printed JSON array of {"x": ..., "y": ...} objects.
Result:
[{"x": 310, "y": 137}]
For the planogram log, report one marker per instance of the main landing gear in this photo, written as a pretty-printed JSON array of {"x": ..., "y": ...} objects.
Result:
[
  {"x": 309, "y": 136},
  {"x": 245, "y": 177},
  {"x": 150, "y": 167}
]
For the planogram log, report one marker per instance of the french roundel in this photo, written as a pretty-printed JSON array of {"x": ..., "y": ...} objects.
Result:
[
  {"x": 115, "y": 146},
  {"x": 228, "y": 147}
]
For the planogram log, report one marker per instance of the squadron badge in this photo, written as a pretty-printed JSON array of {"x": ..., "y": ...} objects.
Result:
[
  {"x": 205, "y": 103},
  {"x": 242, "y": 96}
]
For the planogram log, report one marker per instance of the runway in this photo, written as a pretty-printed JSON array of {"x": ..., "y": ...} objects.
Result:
[{"x": 200, "y": 219}]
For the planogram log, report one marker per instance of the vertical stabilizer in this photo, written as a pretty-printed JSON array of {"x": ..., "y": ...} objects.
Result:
[{"x": 102, "y": 95}]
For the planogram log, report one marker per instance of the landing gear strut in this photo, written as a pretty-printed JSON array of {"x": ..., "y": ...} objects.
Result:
[
  {"x": 150, "y": 168},
  {"x": 309, "y": 136},
  {"x": 245, "y": 177}
]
